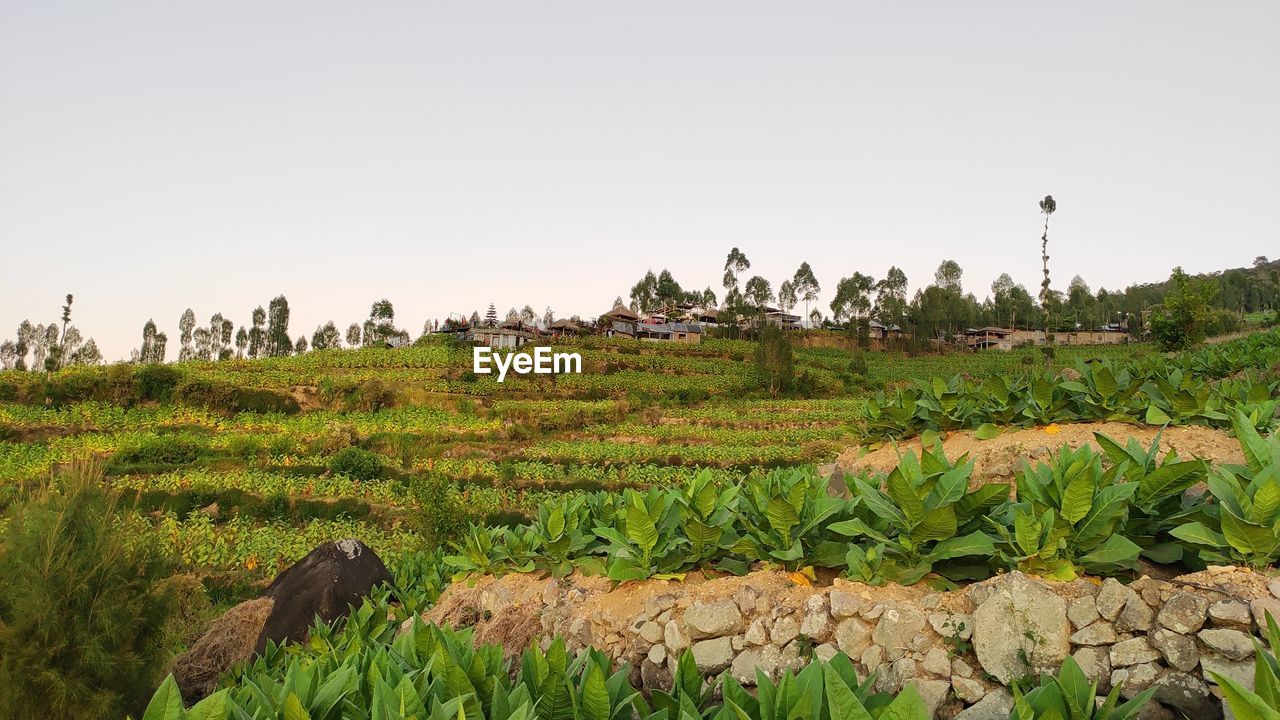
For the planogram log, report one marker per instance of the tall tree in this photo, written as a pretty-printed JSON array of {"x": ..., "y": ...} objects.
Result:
[
  {"x": 644, "y": 294},
  {"x": 667, "y": 291},
  {"x": 8, "y": 354},
  {"x": 1048, "y": 206},
  {"x": 852, "y": 301},
  {"x": 66, "y": 318},
  {"x": 891, "y": 297},
  {"x": 258, "y": 333},
  {"x": 380, "y": 328},
  {"x": 787, "y": 296},
  {"x": 326, "y": 337},
  {"x": 242, "y": 342},
  {"x": 152, "y": 351},
  {"x": 734, "y": 265},
  {"x": 527, "y": 316},
  {"x": 186, "y": 325},
  {"x": 278, "y": 343},
  {"x": 353, "y": 335},
  {"x": 759, "y": 294},
  {"x": 300, "y": 345},
  {"x": 25, "y": 342},
  {"x": 1002, "y": 298},
  {"x": 806, "y": 285},
  {"x": 491, "y": 316}
]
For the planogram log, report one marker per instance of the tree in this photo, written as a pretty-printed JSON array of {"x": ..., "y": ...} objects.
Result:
[
  {"x": 86, "y": 354},
  {"x": 8, "y": 354},
  {"x": 258, "y": 333},
  {"x": 49, "y": 348},
  {"x": 66, "y": 318},
  {"x": 380, "y": 328},
  {"x": 227, "y": 328},
  {"x": 203, "y": 346},
  {"x": 852, "y": 301},
  {"x": 806, "y": 285},
  {"x": 300, "y": 345},
  {"x": 513, "y": 316},
  {"x": 548, "y": 317},
  {"x": 186, "y": 324},
  {"x": 23, "y": 344},
  {"x": 278, "y": 343},
  {"x": 891, "y": 297},
  {"x": 326, "y": 337},
  {"x": 1178, "y": 323},
  {"x": 708, "y": 299},
  {"x": 948, "y": 275},
  {"x": 491, "y": 315},
  {"x": 667, "y": 291},
  {"x": 1002, "y": 298},
  {"x": 759, "y": 294},
  {"x": 152, "y": 350},
  {"x": 216, "y": 343},
  {"x": 1048, "y": 206},
  {"x": 353, "y": 335},
  {"x": 527, "y": 316},
  {"x": 773, "y": 358},
  {"x": 734, "y": 265},
  {"x": 644, "y": 294},
  {"x": 787, "y": 296},
  {"x": 242, "y": 341},
  {"x": 1080, "y": 300},
  {"x": 475, "y": 318}
]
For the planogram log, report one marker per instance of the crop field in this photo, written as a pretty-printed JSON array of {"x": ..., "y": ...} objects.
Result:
[{"x": 241, "y": 493}]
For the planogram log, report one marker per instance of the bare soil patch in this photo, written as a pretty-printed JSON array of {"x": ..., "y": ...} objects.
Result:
[{"x": 1003, "y": 456}]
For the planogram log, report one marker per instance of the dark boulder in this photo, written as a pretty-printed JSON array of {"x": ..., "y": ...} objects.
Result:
[{"x": 326, "y": 583}]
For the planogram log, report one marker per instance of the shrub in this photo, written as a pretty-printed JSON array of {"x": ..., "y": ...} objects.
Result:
[
  {"x": 81, "y": 614},
  {"x": 773, "y": 360},
  {"x": 357, "y": 463},
  {"x": 161, "y": 451},
  {"x": 156, "y": 382},
  {"x": 226, "y": 397},
  {"x": 441, "y": 516}
]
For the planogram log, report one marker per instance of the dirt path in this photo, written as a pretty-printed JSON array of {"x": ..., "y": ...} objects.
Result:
[{"x": 1001, "y": 457}]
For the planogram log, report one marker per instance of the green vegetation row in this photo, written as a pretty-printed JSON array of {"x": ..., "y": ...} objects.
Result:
[
  {"x": 367, "y": 670},
  {"x": 1082, "y": 512},
  {"x": 1190, "y": 388}
]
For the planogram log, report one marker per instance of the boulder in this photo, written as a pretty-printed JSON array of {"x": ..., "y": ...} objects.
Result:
[
  {"x": 1179, "y": 651},
  {"x": 1134, "y": 651},
  {"x": 1020, "y": 629},
  {"x": 765, "y": 658},
  {"x": 1231, "y": 644},
  {"x": 1231, "y": 612},
  {"x": 708, "y": 620},
  {"x": 853, "y": 636},
  {"x": 713, "y": 656},
  {"x": 898, "y": 626},
  {"x": 1183, "y": 613},
  {"x": 1095, "y": 663},
  {"x": 326, "y": 583},
  {"x": 1099, "y": 633},
  {"x": 995, "y": 705},
  {"x": 1189, "y": 695},
  {"x": 1112, "y": 598}
]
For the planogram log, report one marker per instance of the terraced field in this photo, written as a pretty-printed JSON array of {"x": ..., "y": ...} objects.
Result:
[{"x": 240, "y": 493}]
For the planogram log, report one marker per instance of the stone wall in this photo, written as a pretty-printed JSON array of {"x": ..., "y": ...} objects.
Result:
[{"x": 959, "y": 649}]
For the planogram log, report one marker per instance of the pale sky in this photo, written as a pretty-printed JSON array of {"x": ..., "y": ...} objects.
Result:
[{"x": 160, "y": 155}]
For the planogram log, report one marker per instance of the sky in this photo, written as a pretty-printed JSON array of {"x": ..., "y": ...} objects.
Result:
[{"x": 156, "y": 156}]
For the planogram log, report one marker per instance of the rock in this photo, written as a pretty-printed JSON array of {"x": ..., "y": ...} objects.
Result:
[
  {"x": 326, "y": 583},
  {"x": 793, "y": 656},
  {"x": 1183, "y": 613},
  {"x": 961, "y": 668},
  {"x": 937, "y": 663},
  {"x": 657, "y": 655},
  {"x": 765, "y": 659},
  {"x": 1099, "y": 633},
  {"x": 746, "y": 598},
  {"x": 853, "y": 636},
  {"x": 844, "y": 604},
  {"x": 1261, "y": 607},
  {"x": 816, "y": 624},
  {"x": 952, "y": 625},
  {"x": 874, "y": 612},
  {"x": 655, "y": 675},
  {"x": 895, "y": 678},
  {"x": 1133, "y": 652},
  {"x": 658, "y": 604},
  {"x": 712, "y": 656},
  {"x": 1022, "y": 628},
  {"x": 1231, "y": 612},
  {"x": 1136, "y": 615},
  {"x": 756, "y": 634},
  {"x": 995, "y": 705},
  {"x": 825, "y": 652},
  {"x": 968, "y": 689},
  {"x": 1135, "y": 679},
  {"x": 715, "y": 619},
  {"x": 933, "y": 693},
  {"x": 231, "y": 639},
  {"x": 1082, "y": 611},
  {"x": 737, "y": 642},
  {"x": 897, "y": 626},
  {"x": 1112, "y": 598},
  {"x": 1241, "y": 672},
  {"x": 674, "y": 638},
  {"x": 1231, "y": 644},
  {"x": 1179, "y": 651},
  {"x": 651, "y": 631},
  {"x": 785, "y": 629},
  {"x": 1189, "y": 695},
  {"x": 872, "y": 658},
  {"x": 1273, "y": 586},
  {"x": 1095, "y": 663},
  {"x": 930, "y": 601}
]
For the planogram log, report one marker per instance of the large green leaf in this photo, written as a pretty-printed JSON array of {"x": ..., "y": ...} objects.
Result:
[
  {"x": 166, "y": 704},
  {"x": 595, "y": 696},
  {"x": 976, "y": 543},
  {"x": 640, "y": 527}
]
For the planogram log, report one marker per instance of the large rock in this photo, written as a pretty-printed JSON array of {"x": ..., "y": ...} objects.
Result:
[
  {"x": 326, "y": 583},
  {"x": 898, "y": 626},
  {"x": 1179, "y": 651},
  {"x": 1184, "y": 613},
  {"x": 994, "y": 706},
  {"x": 765, "y": 658},
  {"x": 708, "y": 620},
  {"x": 712, "y": 656},
  {"x": 1020, "y": 629},
  {"x": 1189, "y": 695},
  {"x": 1231, "y": 644},
  {"x": 853, "y": 636}
]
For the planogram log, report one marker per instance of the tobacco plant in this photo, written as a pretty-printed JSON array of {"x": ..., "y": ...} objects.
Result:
[
  {"x": 1159, "y": 503},
  {"x": 648, "y": 543},
  {"x": 784, "y": 516}
]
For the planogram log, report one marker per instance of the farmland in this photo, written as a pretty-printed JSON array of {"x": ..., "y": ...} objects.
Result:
[{"x": 239, "y": 495}]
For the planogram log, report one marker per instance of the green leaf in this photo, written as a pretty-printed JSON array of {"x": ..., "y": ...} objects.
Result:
[
  {"x": 841, "y": 702},
  {"x": 1115, "y": 551},
  {"x": 987, "y": 431},
  {"x": 907, "y": 706},
  {"x": 976, "y": 543},
  {"x": 215, "y": 707},
  {"x": 166, "y": 704},
  {"x": 640, "y": 527},
  {"x": 293, "y": 709},
  {"x": 1156, "y": 416},
  {"x": 595, "y": 696}
]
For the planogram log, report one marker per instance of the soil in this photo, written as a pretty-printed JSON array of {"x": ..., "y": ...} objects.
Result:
[{"x": 1001, "y": 457}]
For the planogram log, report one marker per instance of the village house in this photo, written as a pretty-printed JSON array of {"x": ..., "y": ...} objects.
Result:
[
  {"x": 656, "y": 326},
  {"x": 499, "y": 337}
]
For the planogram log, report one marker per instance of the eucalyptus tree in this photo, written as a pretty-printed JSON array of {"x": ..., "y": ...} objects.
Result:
[
  {"x": 24, "y": 343},
  {"x": 326, "y": 337},
  {"x": 891, "y": 297},
  {"x": 759, "y": 294},
  {"x": 242, "y": 342},
  {"x": 257, "y": 333},
  {"x": 787, "y": 296},
  {"x": 186, "y": 327},
  {"x": 527, "y": 315},
  {"x": 278, "y": 343},
  {"x": 66, "y": 318},
  {"x": 852, "y": 301},
  {"x": 806, "y": 285},
  {"x": 644, "y": 294},
  {"x": 300, "y": 345},
  {"x": 1048, "y": 206}
]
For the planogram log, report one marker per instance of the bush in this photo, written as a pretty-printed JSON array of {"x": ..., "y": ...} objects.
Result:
[
  {"x": 442, "y": 516},
  {"x": 156, "y": 382},
  {"x": 357, "y": 463},
  {"x": 160, "y": 452},
  {"x": 82, "y": 615},
  {"x": 233, "y": 398},
  {"x": 773, "y": 360}
]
